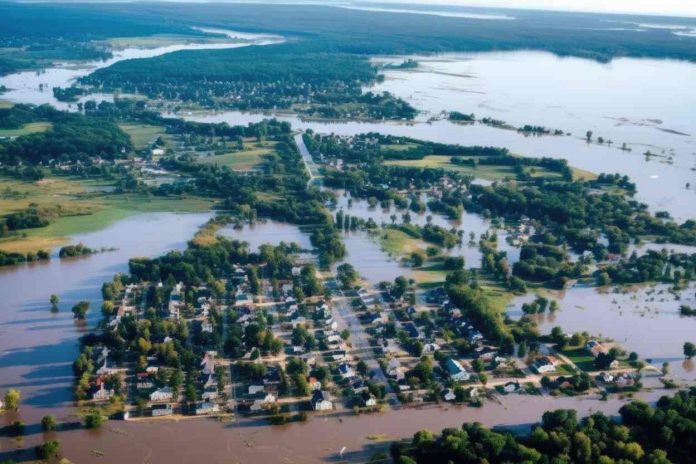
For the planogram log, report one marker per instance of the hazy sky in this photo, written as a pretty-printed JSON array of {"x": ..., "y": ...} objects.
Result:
[{"x": 663, "y": 7}]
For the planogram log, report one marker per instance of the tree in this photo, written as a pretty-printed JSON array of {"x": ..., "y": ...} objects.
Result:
[
  {"x": 54, "y": 303},
  {"x": 689, "y": 350},
  {"x": 588, "y": 136},
  {"x": 12, "y": 398},
  {"x": 94, "y": 420},
  {"x": 49, "y": 423},
  {"x": 347, "y": 275},
  {"x": 48, "y": 449},
  {"x": 483, "y": 378},
  {"x": 80, "y": 310}
]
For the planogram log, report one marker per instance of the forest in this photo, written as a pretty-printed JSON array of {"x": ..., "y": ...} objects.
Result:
[
  {"x": 302, "y": 75},
  {"x": 71, "y": 137},
  {"x": 659, "y": 434}
]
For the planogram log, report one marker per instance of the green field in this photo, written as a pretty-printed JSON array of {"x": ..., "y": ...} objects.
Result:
[
  {"x": 29, "y": 128},
  {"x": 246, "y": 160},
  {"x": 142, "y": 135},
  {"x": 443, "y": 162},
  {"x": 398, "y": 243},
  {"x": 581, "y": 358},
  {"x": 6, "y": 104},
  {"x": 83, "y": 211},
  {"x": 160, "y": 40},
  {"x": 483, "y": 171},
  {"x": 399, "y": 147}
]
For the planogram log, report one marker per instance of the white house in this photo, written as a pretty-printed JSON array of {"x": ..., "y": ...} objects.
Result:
[
  {"x": 205, "y": 407},
  {"x": 162, "y": 410},
  {"x": 449, "y": 395},
  {"x": 346, "y": 371},
  {"x": 102, "y": 394},
  {"x": 162, "y": 394},
  {"x": 511, "y": 387},
  {"x": 321, "y": 401},
  {"x": 456, "y": 371}
]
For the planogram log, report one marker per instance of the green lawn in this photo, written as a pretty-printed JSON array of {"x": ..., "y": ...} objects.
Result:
[
  {"x": 581, "y": 358},
  {"x": 443, "y": 162},
  {"x": 30, "y": 128},
  {"x": 246, "y": 160},
  {"x": 6, "y": 104},
  {"x": 483, "y": 171},
  {"x": 397, "y": 242},
  {"x": 142, "y": 135}
]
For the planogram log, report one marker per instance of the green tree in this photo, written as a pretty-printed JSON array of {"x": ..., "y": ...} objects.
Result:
[
  {"x": 48, "y": 450},
  {"x": 54, "y": 303},
  {"x": 80, "y": 310},
  {"x": 49, "y": 423},
  {"x": 12, "y": 398},
  {"x": 689, "y": 350},
  {"x": 94, "y": 420}
]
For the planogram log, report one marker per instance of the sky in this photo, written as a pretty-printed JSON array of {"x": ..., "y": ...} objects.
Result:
[{"x": 658, "y": 7}]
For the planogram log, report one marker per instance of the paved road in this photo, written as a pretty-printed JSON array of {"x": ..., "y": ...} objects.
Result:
[
  {"x": 309, "y": 163},
  {"x": 358, "y": 338}
]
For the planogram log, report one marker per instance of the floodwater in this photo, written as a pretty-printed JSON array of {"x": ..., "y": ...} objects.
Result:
[
  {"x": 375, "y": 264},
  {"x": 318, "y": 440},
  {"x": 37, "y": 347},
  {"x": 266, "y": 231},
  {"x": 36, "y": 87},
  {"x": 661, "y": 184},
  {"x": 645, "y": 103},
  {"x": 644, "y": 319}
]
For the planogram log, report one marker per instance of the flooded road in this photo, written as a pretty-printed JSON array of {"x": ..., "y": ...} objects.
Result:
[{"x": 661, "y": 182}]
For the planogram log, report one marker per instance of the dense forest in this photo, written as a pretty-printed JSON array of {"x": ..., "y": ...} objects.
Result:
[
  {"x": 71, "y": 137},
  {"x": 33, "y": 37},
  {"x": 373, "y": 33},
  {"x": 307, "y": 76},
  {"x": 320, "y": 71},
  {"x": 645, "y": 434}
]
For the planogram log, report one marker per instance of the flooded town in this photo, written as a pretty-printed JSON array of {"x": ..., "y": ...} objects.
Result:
[{"x": 211, "y": 252}]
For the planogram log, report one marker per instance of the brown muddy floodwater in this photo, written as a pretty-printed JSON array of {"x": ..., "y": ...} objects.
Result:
[
  {"x": 318, "y": 440},
  {"x": 643, "y": 319},
  {"x": 37, "y": 347}
]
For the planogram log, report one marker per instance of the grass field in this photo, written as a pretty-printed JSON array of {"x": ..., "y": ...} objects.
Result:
[
  {"x": 142, "y": 135},
  {"x": 581, "y": 358},
  {"x": 483, "y": 171},
  {"x": 399, "y": 147},
  {"x": 5, "y": 104},
  {"x": 29, "y": 128},
  {"x": 398, "y": 243},
  {"x": 89, "y": 211},
  {"x": 443, "y": 162},
  {"x": 248, "y": 159}
]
